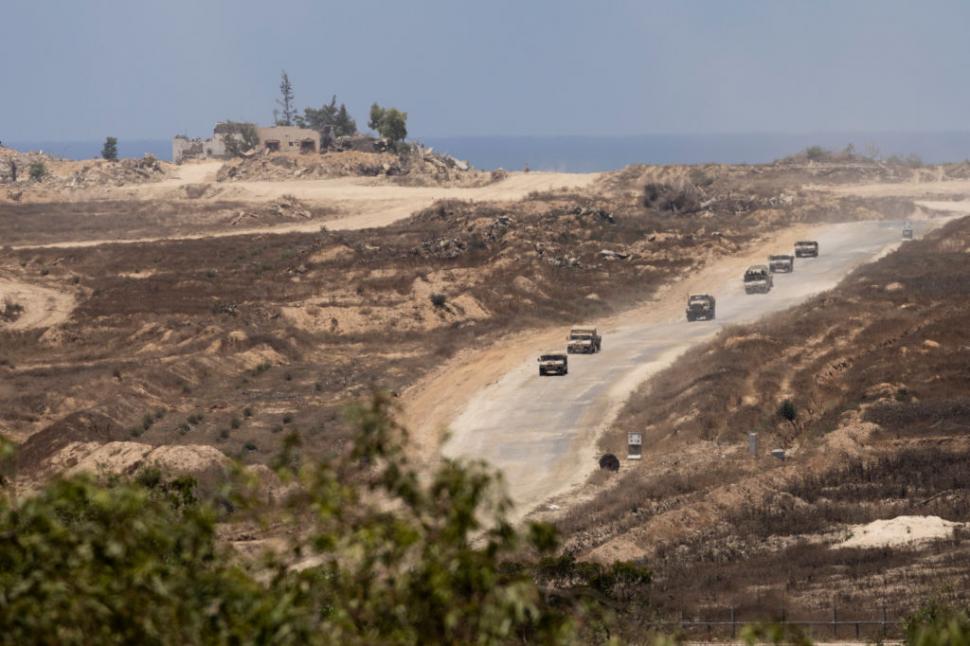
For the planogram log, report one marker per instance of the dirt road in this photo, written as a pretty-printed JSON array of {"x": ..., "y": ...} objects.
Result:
[{"x": 541, "y": 431}]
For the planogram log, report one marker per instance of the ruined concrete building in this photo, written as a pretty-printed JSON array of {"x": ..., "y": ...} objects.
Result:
[
  {"x": 288, "y": 139},
  {"x": 276, "y": 139}
]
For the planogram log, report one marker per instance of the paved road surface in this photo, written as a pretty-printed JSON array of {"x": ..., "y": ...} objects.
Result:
[{"x": 541, "y": 431}]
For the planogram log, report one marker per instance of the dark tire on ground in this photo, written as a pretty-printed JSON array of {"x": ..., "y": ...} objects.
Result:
[{"x": 610, "y": 462}]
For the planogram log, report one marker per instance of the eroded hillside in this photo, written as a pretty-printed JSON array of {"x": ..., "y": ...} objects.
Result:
[
  {"x": 235, "y": 341},
  {"x": 866, "y": 390}
]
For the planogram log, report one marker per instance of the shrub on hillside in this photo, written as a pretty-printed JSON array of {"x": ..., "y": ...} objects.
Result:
[
  {"x": 385, "y": 557},
  {"x": 37, "y": 171}
]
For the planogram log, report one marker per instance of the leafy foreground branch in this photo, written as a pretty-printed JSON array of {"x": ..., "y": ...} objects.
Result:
[{"x": 376, "y": 555}]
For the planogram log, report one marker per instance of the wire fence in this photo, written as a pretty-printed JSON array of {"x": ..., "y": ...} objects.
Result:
[{"x": 834, "y": 623}]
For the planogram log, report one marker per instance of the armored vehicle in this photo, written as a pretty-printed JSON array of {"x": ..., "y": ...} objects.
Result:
[
  {"x": 908, "y": 231},
  {"x": 781, "y": 264},
  {"x": 758, "y": 279},
  {"x": 806, "y": 249},
  {"x": 553, "y": 364},
  {"x": 700, "y": 307},
  {"x": 583, "y": 340}
]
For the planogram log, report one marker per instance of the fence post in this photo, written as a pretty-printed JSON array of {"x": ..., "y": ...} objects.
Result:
[{"x": 734, "y": 625}]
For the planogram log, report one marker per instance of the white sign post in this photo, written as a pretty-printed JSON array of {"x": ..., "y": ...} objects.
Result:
[{"x": 634, "y": 446}]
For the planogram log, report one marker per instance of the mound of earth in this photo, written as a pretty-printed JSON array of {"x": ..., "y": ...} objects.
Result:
[
  {"x": 68, "y": 175},
  {"x": 902, "y": 530},
  {"x": 82, "y": 426},
  {"x": 419, "y": 165},
  {"x": 206, "y": 464},
  {"x": 99, "y": 172}
]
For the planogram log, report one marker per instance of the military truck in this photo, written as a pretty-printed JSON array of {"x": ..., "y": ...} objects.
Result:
[
  {"x": 806, "y": 249},
  {"x": 583, "y": 340},
  {"x": 757, "y": 279},
  {"x": 781, "y": 264},
  {"x": 553, "y": 364},
  {"x": 700, "y": 307},
  {"x": 908, "y": 231}
]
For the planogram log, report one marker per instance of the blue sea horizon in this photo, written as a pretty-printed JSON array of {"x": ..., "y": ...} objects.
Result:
[{"x": 580, "y": 153}]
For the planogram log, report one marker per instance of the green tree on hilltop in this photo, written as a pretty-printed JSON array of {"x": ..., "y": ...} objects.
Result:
[
  {"x": 389, "y": 123},
  {"x": 287, "y": 113},
  {"x": 110, "y": 149},
  {"x": 338, "y": 119}
]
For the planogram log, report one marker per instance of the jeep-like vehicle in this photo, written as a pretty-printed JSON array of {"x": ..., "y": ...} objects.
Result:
[
  {"x": 583, "y": 340},
  {"x": 781, "y": 264},
  {"x": 806, "y": 249},
  {"x": 700, "y": 307},
  {"x": 908, "y": 231},
  {"x": 758, "y": 279},
  {"x": 553, "y": 364}
]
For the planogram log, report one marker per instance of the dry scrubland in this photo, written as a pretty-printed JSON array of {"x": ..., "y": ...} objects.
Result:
[
  {"x": 229, "y": 342},
  {"x": 179, "y": 352},
  {"x": 878, "y": 375}
]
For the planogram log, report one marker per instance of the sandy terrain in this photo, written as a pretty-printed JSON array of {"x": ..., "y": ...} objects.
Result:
[
  {"x": 902, "y": 530},
  {"x": 910, "y": 189},
  {"x": 498, "y": 409},
  {"x": 361, "y": 202},
  {"x": 43, "y": 306}
]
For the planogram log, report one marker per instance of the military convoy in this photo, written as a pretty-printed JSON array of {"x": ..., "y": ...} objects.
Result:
[
  {"x": 553, "y": 364},
  {"x": 781, "y": 264},
  {"x": 700, "y": 307},
  {"x": 758, "y": 280},
  {"x": 583, "y": 340},
  {"x": 806, "y": 249}
]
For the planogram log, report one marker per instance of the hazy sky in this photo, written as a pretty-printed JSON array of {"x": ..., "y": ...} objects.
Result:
[{"x": 82, "y": 69}]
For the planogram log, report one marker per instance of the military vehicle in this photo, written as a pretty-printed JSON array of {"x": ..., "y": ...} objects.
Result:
[
  {"x": 908, "y": 231},
  {"x": 583, "y": 340},
  {"x": 781, "y": 264},
  {"x": 757, "y": 279},
  {"x": 806, "y": 249},
  {"x": 700, "y": 307},
  {"x": 553, "y": 364}
]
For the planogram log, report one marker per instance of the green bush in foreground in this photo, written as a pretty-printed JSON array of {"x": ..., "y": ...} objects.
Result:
[
  {"x": 380, "y": 556},
  {"x": 936, "y": 624}
]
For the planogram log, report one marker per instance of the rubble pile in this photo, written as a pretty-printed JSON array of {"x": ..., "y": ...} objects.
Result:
[
  {"x": 66, "y": 174},
  {"x": 100, "y": 172},
  {"x": 15, "y": 165},
  {"x": 284, "y": 208},
  {"x": 424, "y": 163},
  {"x": 276, "y": 167},
  {"x": 415, "y": 165}
]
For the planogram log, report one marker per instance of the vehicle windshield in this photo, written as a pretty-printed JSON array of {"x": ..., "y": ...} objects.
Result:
[
  {"x": 779, "y": 257},
  {"x": 698, "y": 300},
  {"x": 581, "y": 335},
  {"x": 805, "y": 244},
  {"x": 551, "y": 357}
]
